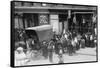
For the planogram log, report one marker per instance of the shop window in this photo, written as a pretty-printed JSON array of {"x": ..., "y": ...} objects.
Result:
[
  {"x": 30, "y": 20},
  {"x": 18, "y": 21},
  {"x": 81, "y": 23}
]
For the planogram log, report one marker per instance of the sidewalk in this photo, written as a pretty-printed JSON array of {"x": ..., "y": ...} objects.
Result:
[
  {"x": 83, "y": 55},
  {"x": 88, "y": 51}
]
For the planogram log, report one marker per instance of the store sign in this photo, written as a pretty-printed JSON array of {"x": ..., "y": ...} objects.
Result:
[
  {"x": 54, "y": 17},
  {"x": 43, "y": 19}
]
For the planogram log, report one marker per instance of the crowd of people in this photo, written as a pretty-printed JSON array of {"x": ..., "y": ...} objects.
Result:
[{"x": 66, "y": 43}]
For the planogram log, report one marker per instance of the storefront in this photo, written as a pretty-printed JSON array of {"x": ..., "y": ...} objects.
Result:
[{"x": 69, "y": 17}]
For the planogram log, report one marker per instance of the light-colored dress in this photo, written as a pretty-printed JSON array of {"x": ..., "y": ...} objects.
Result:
[{"x": 20, "y": 58}]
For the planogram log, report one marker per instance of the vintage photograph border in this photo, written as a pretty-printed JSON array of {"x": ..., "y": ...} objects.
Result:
[{"x": 12, "y": 35}]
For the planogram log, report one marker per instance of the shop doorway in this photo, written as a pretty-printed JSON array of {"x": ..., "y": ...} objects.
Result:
[
  {"x": 84, "y": 23},
  {"x": 63, "y": 24}
]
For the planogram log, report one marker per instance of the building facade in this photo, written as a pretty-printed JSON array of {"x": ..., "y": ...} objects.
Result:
[{"x": 79, "y": 18}]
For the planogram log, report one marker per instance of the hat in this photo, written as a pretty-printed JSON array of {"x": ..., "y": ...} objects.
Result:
[{"x": 20, "y": 48}]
